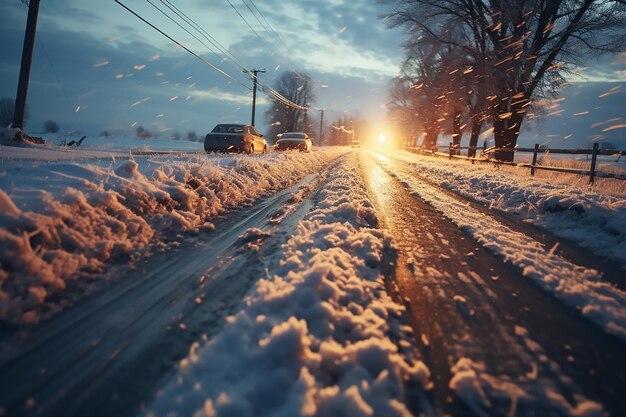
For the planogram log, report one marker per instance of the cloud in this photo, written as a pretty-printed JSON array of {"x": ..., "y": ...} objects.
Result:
[
  {"x": 587, "y": 109},
  {"x": 73, "y": 43},
  {"x": 602, "y": 68},
  {"x": 332, "y": 37},
  {"x": 66, "y": 66},
  {"x": 220, "y": 95}
]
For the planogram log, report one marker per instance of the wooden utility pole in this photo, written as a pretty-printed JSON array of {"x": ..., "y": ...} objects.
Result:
[
  {"x": 254, "y": 72},
  {"x": 27, "y": 59},
  {"x": 319, "y": 140},
  {"x": 306, "y": 108}
]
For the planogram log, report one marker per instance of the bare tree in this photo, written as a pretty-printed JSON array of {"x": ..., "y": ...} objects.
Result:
[
  {"x": 50, "y": 126},
  {"x": 297, "y": 88},
  {"x": 193, "y": 136},
  {"x": 143, "y": 133},
  {"x": 347, "y": 128},
  {"x": 422, "y": 76},
  {"x": 402, "y": 110},
  {"x": 522, "y": 48}
]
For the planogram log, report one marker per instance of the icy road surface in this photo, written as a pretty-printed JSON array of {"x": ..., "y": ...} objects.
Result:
[{"x": 490, "y": 327}]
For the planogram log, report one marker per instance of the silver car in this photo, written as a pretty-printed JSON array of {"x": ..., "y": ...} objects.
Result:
[{"x": 294, "y": 140}]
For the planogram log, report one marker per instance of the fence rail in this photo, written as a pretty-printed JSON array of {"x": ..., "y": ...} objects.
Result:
[{"x": 592, "y": 173}]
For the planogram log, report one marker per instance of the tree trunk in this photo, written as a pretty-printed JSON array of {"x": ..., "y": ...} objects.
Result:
[
  {"x": 506, "y": 132},
  {"x": 476, "y": 128},
  {"x": 457, "y": 134},
  {"x": 430, "y": 140}
]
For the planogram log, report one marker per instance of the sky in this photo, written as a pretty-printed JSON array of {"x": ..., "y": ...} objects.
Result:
[{"x": 97, "y": 67}]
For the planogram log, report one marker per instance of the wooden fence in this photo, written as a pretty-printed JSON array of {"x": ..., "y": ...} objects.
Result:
[{"x": 454, "y": 152}]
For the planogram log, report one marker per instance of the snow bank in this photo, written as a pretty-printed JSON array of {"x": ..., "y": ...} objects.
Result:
[
  {"x": 592, "y": 218},
  {"x": 15, "y": 137},
  {"x": 315, "y": 339},
  {"x": 135, "y": 144},
  {"x": 576, "y": 286},
  {"x": 483, "y": 393},
  {"x": 63, "y": 221},
  {"x": 7, "y": 135}
]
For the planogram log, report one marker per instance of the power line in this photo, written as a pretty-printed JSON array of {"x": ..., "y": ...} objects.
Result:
[
  {"x": 244, "y": 19},
  {"x": 264, "y": 87},
  {"x": 267, "y": 25},
  {"x": 181, "y": 15},
  {"x": 270, "y": 29},
  {"x": 181, "y": 45},
  {"x": 185, "y": 29},
  {"x": 203, "y": 32},
  {"x": 221, "y": 48}
]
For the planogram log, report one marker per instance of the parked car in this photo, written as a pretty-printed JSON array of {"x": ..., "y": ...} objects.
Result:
[
  {"x": 355, "y": 144},
  {"x": 235, "y": 138},
  {"x": 294, "y": 140}
]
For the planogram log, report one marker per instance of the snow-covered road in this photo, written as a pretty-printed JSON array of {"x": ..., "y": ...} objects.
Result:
[
  {"x": 63, "y": 222},
  {"x": 364, "y": 289},
  {"x": 109, "y": 354},
  {"x": 491, "y": 337}
]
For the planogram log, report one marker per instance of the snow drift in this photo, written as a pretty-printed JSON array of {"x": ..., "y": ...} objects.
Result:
[
  {"x": 64, "y": 221},
  {"x": 314, "y": 339}
]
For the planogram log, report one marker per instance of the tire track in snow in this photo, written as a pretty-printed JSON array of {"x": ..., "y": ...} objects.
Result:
[
  {"x": 320, "y": 336},
  {"x": 578, "y": 287},
  {"x": 481, "y": 324},
  {"x": 109, "y": 354}
]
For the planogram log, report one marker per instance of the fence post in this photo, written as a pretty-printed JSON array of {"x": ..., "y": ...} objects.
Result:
[
  {"x": 594, "y": 157},
  {"x": 532, "y": 166},
  {"x": 450, "y": 151}
]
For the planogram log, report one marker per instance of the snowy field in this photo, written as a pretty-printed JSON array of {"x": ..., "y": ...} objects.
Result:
[
  {"x": 592, "y": 216},
  {"x": 319, "y": 335},
  {"x": 63, "y": 220},
  {"x": 605, "y": 163}
]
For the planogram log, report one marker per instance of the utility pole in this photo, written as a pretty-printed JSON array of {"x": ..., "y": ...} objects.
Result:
[
  {"x": 27, "y": 59},
  {"x": 319, "y": 140},
  {"x": 306, "y": 108},
  {"x": 254, "y": 72}
]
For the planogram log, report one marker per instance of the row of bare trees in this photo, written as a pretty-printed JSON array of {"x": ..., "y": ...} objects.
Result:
[{"x": 477, "y": 64}]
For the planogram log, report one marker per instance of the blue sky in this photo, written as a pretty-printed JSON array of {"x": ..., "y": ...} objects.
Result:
[{"x": 97, "y": 67}]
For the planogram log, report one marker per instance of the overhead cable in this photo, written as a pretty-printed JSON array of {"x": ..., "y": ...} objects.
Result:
[{"x": 181, "y": 45}]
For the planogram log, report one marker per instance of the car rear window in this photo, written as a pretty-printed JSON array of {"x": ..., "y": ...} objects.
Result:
[
  {"x": 292, "y": 136},
  {"x": 228, "y": 129}
]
